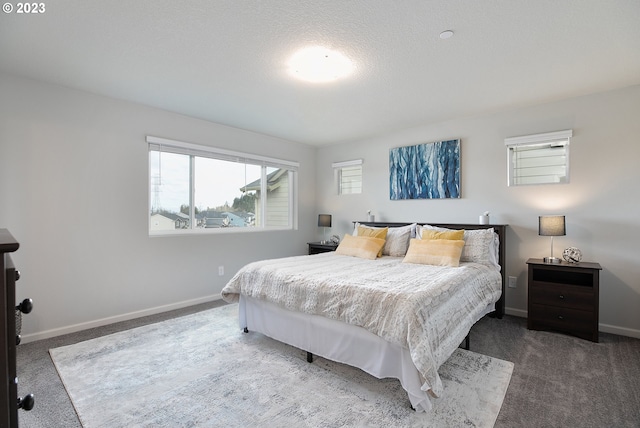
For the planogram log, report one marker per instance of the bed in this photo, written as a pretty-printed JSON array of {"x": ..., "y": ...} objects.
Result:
[{"x": 386, "y": 317}]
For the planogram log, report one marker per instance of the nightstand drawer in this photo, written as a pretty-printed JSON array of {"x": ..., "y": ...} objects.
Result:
[
  {"x": 563, "y": 296},
  {"x": 561, "y": 319}
]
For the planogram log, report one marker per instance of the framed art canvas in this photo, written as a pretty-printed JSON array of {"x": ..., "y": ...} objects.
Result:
[{"x": 425, "y": 171}]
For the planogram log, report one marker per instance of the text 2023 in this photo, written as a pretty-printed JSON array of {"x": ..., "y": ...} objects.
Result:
[{"x": 30, "y": 8}]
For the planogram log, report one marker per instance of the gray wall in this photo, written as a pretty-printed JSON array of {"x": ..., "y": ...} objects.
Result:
[
  {"x": 600, "y": 202},
  {"x": 74, "y": 191},
  {"x": 73, "y": 184}
]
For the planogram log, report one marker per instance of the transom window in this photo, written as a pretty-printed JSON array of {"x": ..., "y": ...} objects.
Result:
[
  {"x": 348, "y": 176},
  {"x": 539, "y": 158},
  {"x": 196, "y": 188}
]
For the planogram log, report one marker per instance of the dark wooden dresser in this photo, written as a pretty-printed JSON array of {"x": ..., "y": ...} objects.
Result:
[
  {"x": 9, "y": 339},
  {"x": 564, "y": 297}
]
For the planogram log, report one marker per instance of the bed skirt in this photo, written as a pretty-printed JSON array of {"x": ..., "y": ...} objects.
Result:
[{"x": 337, "y": 341}]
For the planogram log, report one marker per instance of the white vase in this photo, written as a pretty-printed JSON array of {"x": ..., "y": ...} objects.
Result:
[
  {"x": 371, "y": 218},
  {"x": 483, "y": 219}
]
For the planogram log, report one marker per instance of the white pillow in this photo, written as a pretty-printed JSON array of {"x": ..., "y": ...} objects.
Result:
[
  {"x": 480, "y": 245},
  {"x": 397, "y": 241},
  {"x": 494, "y": 254}
]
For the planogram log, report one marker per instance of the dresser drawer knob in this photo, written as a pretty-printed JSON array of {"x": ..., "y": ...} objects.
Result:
[
  {"x": 561, "y": 297},
  {"x": 26, "y": 403},
  {"x": 26, "y": 306},
  {"x": 560, "y": 317}
]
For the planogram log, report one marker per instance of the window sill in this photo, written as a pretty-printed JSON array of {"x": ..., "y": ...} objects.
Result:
[{"x": 216, "y": 231}]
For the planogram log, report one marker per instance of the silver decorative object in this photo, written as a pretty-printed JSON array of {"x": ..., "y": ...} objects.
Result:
[{"x": 572, "y": 255}]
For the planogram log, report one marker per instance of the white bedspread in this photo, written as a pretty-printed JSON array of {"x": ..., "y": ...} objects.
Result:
[{"x": 426, "y": 309}]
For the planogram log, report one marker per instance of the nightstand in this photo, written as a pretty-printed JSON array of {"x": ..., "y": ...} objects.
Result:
[
  {"x": 564, "y": 297},
  {"x": 319, "y": 247}
]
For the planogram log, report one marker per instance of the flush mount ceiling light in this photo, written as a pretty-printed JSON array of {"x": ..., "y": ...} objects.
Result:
[
  {"x": 446, "y": 34},
  {"x": 317, "y": 64}
]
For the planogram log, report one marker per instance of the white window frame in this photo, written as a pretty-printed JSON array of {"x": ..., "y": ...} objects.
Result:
[
  {"x": 196, "y": 150},
  {"x": 538, "y": 169},
  {"x": 341, "y": 183}
]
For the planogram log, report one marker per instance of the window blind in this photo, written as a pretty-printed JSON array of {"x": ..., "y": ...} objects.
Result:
[{"x": 539, "y": 158}]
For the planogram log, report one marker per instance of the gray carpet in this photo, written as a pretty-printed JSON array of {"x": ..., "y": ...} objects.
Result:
[
  {"x": 554, "y": 375},
  {"x": 562, "y": 381},
  {"x": 202, "y": 371}
]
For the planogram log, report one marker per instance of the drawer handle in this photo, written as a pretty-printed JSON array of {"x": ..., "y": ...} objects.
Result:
[
  {"x": 560, "y": 317},
  {"x": 561, "y": 297}
]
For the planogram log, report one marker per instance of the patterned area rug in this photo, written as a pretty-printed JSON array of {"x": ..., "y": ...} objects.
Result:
[{"x": 202, "y": 371}]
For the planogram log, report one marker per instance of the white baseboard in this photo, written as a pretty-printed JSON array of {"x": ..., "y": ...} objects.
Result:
[
  {"x": 605, "y": 328},
  {"x": 621, "y": 331},
  {"x": 515, "y": 312},
  {"x": 32, "y": 337}
]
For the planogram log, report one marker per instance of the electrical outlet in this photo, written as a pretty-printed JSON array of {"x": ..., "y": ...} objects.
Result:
[
  {"x": 513, "y": 281},
  {"x": 220, "y": 270}
]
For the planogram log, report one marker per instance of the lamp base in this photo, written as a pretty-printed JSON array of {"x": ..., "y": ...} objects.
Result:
[{"x": 553, "y": 260}]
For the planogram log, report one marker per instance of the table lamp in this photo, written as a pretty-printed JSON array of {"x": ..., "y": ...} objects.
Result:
[
  {"x": 551, "y": 225},
  {"x": 324, "y": 220}
]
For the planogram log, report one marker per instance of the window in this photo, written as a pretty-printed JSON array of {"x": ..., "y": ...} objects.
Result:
[
  {"x": 203, "y": 189},
  {"x": 348, "y": 176},
  {"x": 539, "y": 158}
]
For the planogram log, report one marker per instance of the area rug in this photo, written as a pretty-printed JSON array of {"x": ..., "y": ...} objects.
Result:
[{"x": 200, "y": 370}]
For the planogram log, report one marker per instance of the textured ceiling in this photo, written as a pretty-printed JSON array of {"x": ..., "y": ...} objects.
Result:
[{"x": 225, "y": 60}]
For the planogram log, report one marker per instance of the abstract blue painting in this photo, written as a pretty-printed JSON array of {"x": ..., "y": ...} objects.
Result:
[{"x": 425, "y": 171}]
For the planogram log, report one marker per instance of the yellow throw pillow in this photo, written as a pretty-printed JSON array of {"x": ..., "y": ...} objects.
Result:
[
  {"x": 365, "y": 247},
  {"x": 437, "y": 252},
  {"x": 374, "y": 232},
  {"x": 454, "y": 235}
]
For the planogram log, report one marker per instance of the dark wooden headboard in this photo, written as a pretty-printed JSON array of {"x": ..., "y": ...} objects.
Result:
[{"x": 499, "y": 229}]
